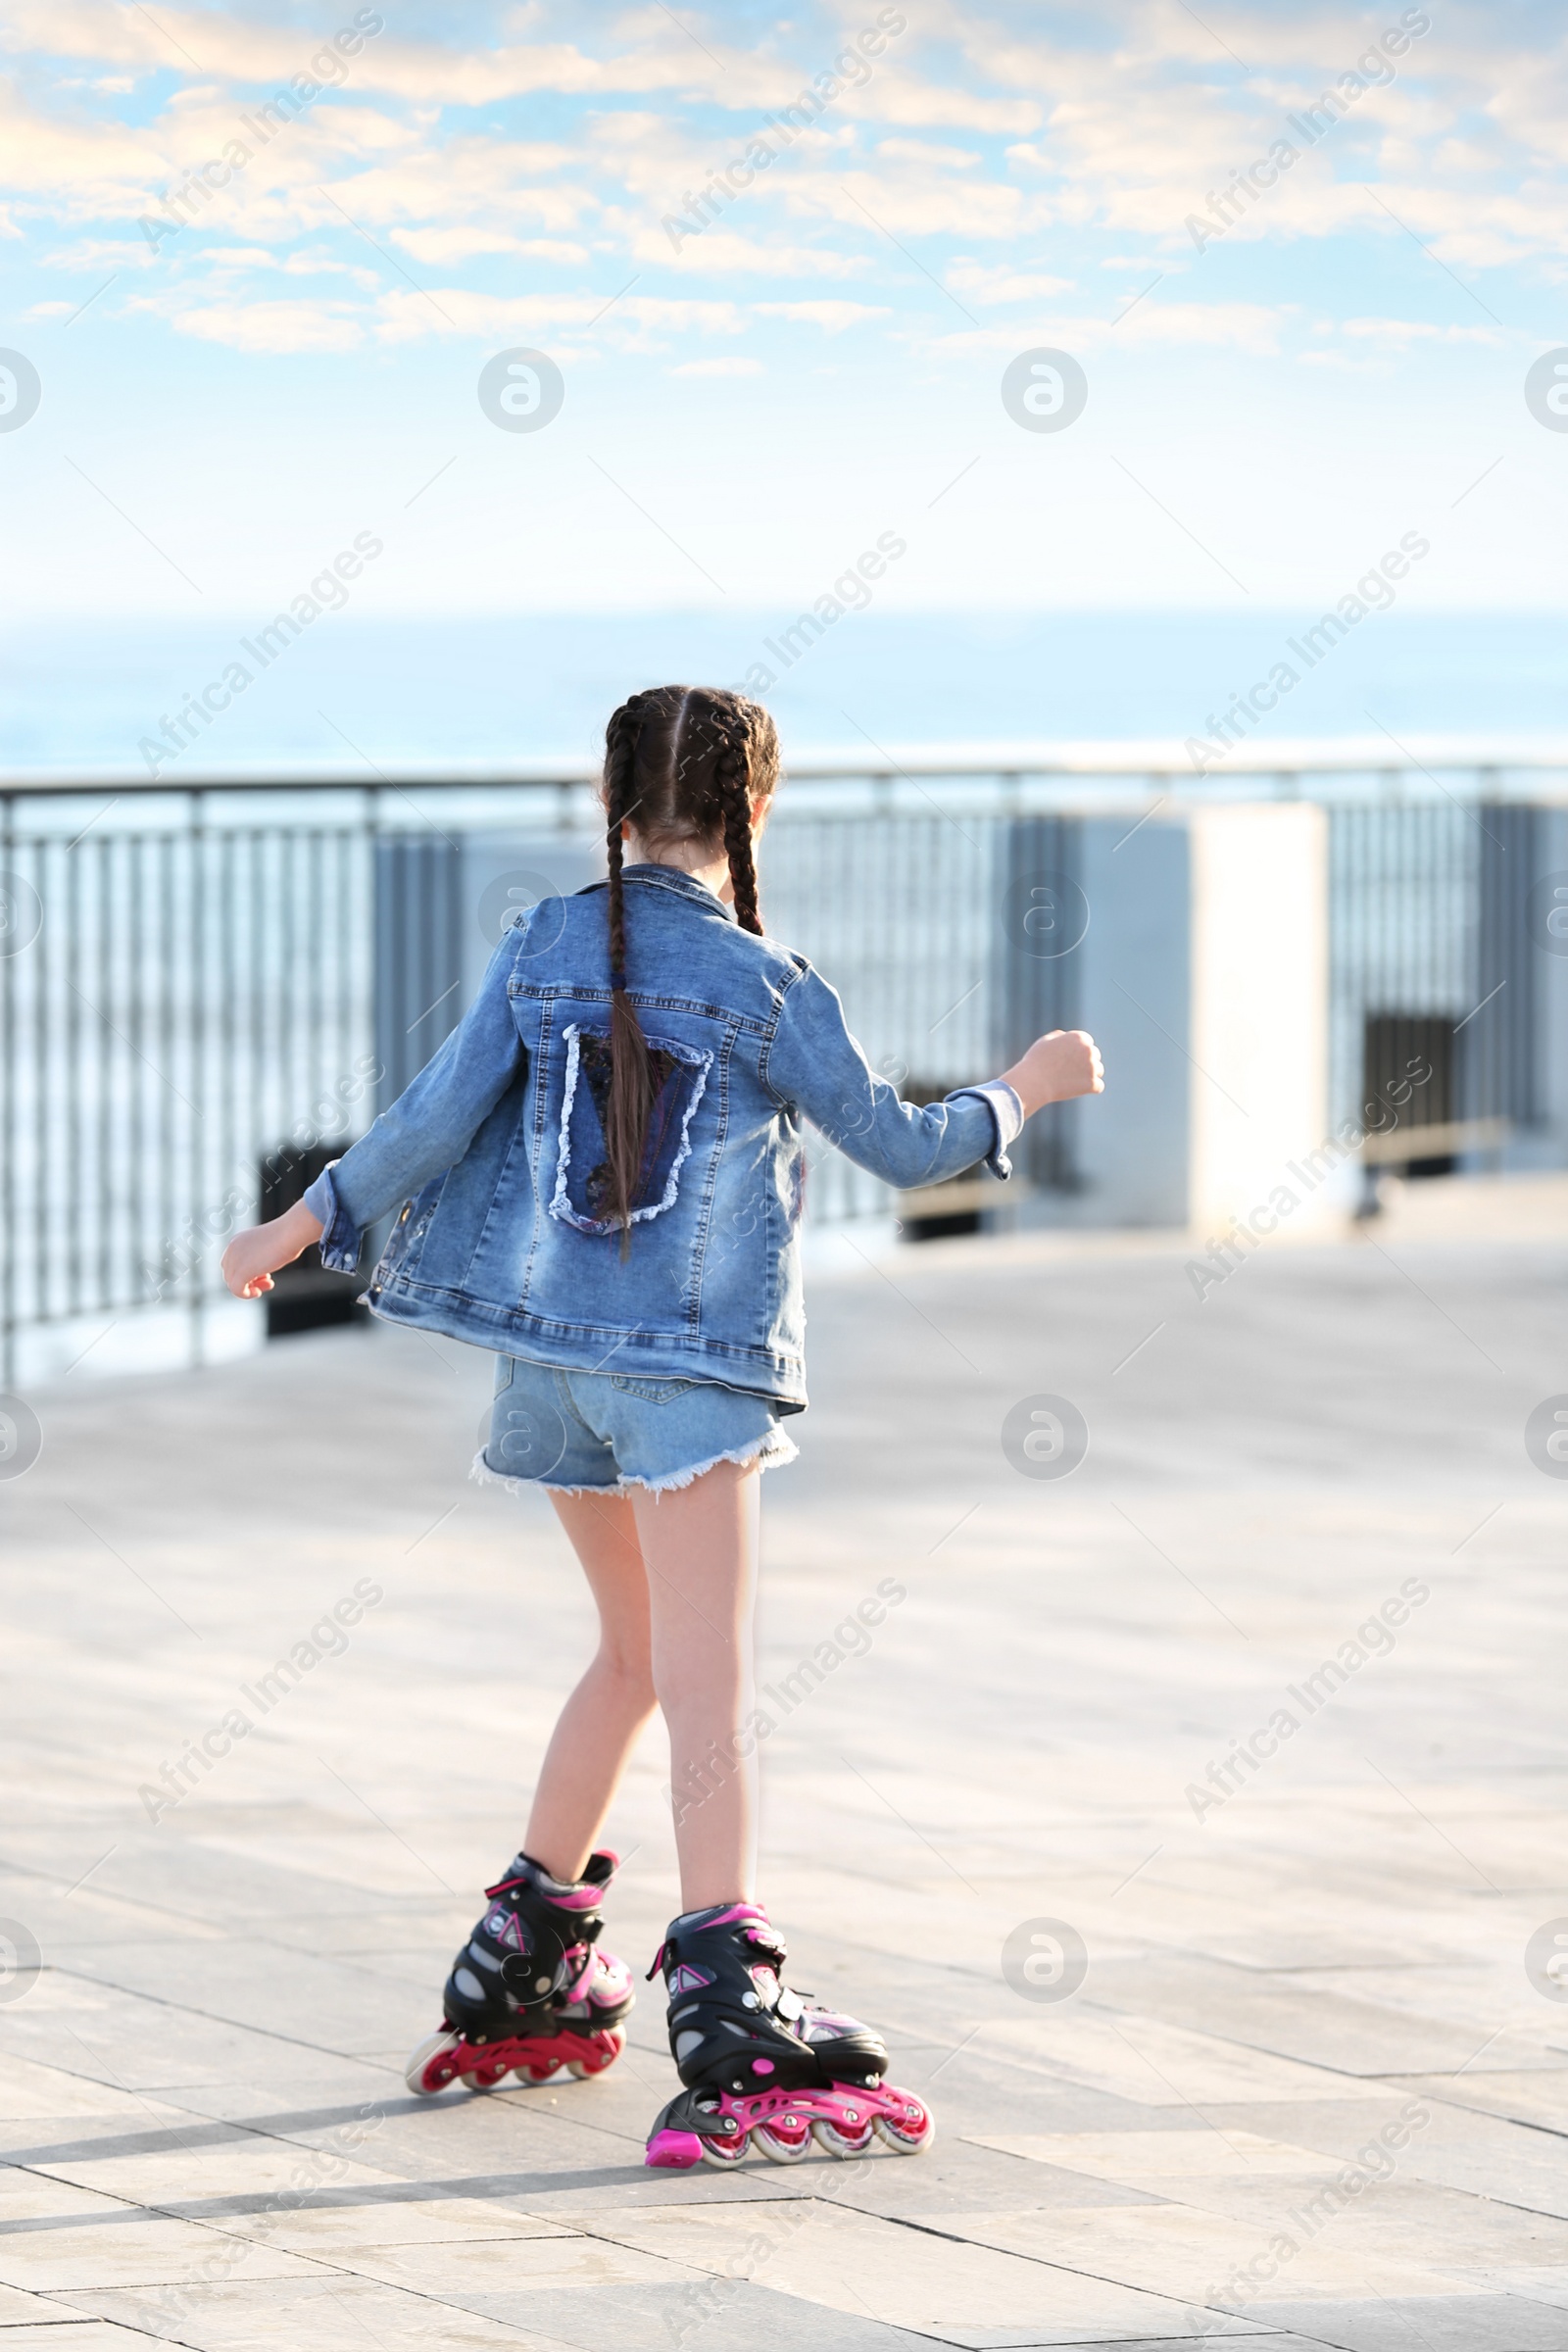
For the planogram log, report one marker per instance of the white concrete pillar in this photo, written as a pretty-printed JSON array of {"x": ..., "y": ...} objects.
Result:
[{"x": 1258, "y": 1034}]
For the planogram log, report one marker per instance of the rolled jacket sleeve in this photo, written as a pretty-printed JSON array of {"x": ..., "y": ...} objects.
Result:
[
  {"x": 1006, "y": 1110},
  {"x": 341, "y": 1237},
  {"x": 431, "y": 1125},
  {"x": 815, "y": 1066}
]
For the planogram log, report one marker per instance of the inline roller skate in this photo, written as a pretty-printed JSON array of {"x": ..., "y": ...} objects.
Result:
[
  {"x": 529, "y": 1994},
  {"x": 761, "y": 2065}
]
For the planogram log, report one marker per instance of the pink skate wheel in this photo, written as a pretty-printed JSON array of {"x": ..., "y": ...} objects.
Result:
[{"x": 679, "y": 2151}]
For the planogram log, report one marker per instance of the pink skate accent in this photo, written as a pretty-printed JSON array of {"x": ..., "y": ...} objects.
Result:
[
  {"x": 538, "y": 2056},
  {"x": 763, "y": 2066},
  {"x": 825, "y": 2025},
  {"x": 736, "y": 1913},
  {"x": 597, "y": 1978},
  {"x": 851, "y": 2109},
  {"x": 577, "y": 1898},
  {"x": 688, "y": 1979},
  {"x": 571, "y": 1899},
  {"x": 850, "y": 2104}
]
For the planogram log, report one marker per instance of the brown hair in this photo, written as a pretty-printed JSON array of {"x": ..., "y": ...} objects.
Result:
[{"x": 681, "y": 763}]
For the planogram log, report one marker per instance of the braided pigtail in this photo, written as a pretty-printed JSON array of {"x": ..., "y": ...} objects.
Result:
[
  {"x": 682, "y": 765},
  {"x": 631, "y": 1076},
  {"x": 732, "y": 781}
]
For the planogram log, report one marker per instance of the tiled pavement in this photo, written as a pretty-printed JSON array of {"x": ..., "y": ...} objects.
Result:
[{"x": 208, "y": 2137}]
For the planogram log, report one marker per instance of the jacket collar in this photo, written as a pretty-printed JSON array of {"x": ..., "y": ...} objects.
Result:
[{"x": 685, "y": 886}]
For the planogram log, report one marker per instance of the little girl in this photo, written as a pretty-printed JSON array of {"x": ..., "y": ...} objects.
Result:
[{"x": 602, "y": 1179}]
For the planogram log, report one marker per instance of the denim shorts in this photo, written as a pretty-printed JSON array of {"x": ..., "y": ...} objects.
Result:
[{"x": 603, "y": 1432}]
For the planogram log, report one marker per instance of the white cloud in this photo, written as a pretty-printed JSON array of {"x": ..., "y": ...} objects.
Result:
[
  {"x": 404, "y": 315},
  {"x": 833, "y": 316},
  {"x": 1399, "y": 334},
  {"x": 732, "y": 366},
  {"x": 987, "y": 283},
  {"x": 272, "y": 326},
  {"x": 1253, "y": 327},
  {"x": 720, "y": 252},
  {"x": 439, "y": 246},
  {"x": 919, "y": 151}
]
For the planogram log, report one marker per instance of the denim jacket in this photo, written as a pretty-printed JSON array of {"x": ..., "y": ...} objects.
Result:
[{"x": 497, "y": 1152}]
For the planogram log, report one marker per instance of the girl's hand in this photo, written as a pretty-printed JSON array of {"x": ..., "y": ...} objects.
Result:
[
  {"x": 1055, "y": 1067},
  {"x": 254, "y": 1256}
]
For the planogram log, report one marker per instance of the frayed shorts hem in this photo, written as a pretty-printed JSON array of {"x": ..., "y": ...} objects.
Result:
[{"x": 771, "y": 1451}]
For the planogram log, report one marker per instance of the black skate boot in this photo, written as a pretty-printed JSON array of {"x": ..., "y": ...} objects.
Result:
[
  {"x": 761, "y": 2063},
  {"x": 529, "y": 1994}
]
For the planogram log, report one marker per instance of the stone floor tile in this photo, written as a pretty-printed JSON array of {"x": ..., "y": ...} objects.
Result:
[
  {"x": 1349, "y": 2032},
  {"x": 327, "y": 2312},
  {"x": 241, "y": 2166},
  {"x": 1156, "y": 2064},
  {"x": 18, "y": 2307},
  {"x": 1406, "y": 2220},
  {"x": 65, "y": 2335},
  {"x": 964, "y": 2175},
  {"x": 339, "y": 2231},
  {"x": 28, "y": 2199},
  {"x": 1427, "y": 2322},
  {"x": 459, "y": 2271},
  {"x": 1249, "y": 2341},
  {"x": 1518, "y": 2097},
  {"x": 949, "y": 2286},
  {"x": 1548, "y": 2285},
  {"x": 1179, "y": 2250},
  {"x": 32, "y": 2093},
  {"x": 1133, "y": 2157},
  {"x": 126, "y": 2250},
  {"x": 713, "y": 2316}
]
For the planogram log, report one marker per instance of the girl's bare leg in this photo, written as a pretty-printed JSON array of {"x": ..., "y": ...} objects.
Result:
[
  {"x": 601, "y": 1719},
  {"x": 674, "y": 1577},
  {"x": 700, "y": 1543}
]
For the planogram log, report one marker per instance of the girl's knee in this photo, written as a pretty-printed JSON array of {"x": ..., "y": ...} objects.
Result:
[{"x": 632, "y": 1672}]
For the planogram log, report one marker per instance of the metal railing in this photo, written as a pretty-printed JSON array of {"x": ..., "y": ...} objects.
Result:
[{"x": 195, "y": 978}]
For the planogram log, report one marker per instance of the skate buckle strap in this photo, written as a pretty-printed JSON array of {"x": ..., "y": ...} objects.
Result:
[{"x": 586, "y": 1920}]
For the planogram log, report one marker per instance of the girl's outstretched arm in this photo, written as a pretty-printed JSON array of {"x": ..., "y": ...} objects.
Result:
[
  {"x": 815, "y": 1066},
  {"x": 426, "y": 1131}
]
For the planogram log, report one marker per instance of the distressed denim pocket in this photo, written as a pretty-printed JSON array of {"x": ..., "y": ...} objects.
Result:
[
  {"x": 581, "y": 1196},
  {"x": 651, "y": 1391}
]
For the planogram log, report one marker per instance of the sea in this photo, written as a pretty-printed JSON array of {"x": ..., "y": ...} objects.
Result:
[{"x": 92, "y": 694}]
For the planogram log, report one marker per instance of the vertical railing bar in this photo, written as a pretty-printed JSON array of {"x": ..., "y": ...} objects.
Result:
[
  {"x": 245, "y": 875},
  {"x": 69, "y": 1193},
  {"x": 196, "y": 836},
  {"x": 170, "y": 964},
  {"x": 109, "y": 1051},
  {"x": 43, "y": 1126}
]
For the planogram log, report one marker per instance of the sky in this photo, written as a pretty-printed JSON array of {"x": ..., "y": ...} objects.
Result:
[{"x": 243, "y": 377}]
